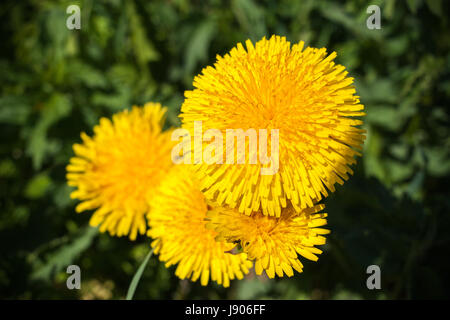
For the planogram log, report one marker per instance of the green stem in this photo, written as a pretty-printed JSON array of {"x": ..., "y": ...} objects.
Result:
[{"x": 137, "y": 276}]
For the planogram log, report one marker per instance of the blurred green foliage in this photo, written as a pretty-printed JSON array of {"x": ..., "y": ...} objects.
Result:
[{"x": 56, "y": 82}]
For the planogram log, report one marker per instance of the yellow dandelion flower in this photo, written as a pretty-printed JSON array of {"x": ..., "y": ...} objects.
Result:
[
  {"x": 118, "y": 169},
  {"x": 300, "y": 92},
  {"x": 177, "y": 225},
  {"x": 274, "y": 243}
]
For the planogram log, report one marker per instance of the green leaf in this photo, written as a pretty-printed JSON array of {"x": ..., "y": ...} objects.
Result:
[
  {"x": 197, "y": 49},
  {"x": 65, "y": 255},
  {"x": 135, "y": 281},
  {"x": 8, "y": 168},
  {"x": 438, "y": 160},
  {"x": 14, "y": 110},
  {"x": 56, "y": 108},
  {"x": 251, "y": 17},
  {"x": 142, "y": 46},
  {"x": 38, "y": 186},
  {"x": 85, "y": 74},
  {"x": 384, "y": 116},
  {"x": 340, "y": 16},
  {"x": 116, "y": 101}
]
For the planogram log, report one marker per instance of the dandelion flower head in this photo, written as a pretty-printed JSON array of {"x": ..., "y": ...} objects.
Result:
[
  {"x": 299, "y": 91},
  {"x": 274, "y": 243},
  {"x": 116, "y": 171},
  {"x": 177, "y": 225}
]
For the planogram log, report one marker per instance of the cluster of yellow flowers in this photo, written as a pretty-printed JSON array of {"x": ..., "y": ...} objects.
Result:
[{"x": 215, "y": 220}]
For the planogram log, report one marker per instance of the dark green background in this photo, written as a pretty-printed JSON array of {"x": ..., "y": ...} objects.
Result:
[{"x": 55, "y": 83}]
